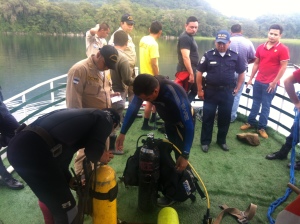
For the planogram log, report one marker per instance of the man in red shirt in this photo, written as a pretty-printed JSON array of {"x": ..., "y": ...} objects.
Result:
[{"x": 270, "y": 64}]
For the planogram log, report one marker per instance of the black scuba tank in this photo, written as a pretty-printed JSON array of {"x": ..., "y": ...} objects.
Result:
[{"x": 148, "y": 174}]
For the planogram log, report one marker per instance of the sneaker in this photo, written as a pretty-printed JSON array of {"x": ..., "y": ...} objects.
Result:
[
  {"x": 139, "y": 116},
  {"x": 246, "y": 126},
  {"x": 164, "y": 202},
  {"x": 147, "y": 128},
  {"x": 263, "y": 133}
]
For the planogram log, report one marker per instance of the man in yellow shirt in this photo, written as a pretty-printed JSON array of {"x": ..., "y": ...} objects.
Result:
[{"x": 149, "y": 55}]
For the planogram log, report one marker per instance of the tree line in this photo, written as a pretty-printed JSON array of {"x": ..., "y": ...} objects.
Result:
[{"x": 66, "y": 16}]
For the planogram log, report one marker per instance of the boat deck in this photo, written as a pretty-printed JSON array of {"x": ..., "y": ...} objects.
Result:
[{"x": 236, "y": 178}]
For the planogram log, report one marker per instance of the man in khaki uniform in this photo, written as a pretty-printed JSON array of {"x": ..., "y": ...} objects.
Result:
[
  {"x": 89, "y": 87},
  {"x": 126, "y": 25}
]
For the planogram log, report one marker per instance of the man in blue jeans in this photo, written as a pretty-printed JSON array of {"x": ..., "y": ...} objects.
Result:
[
  {"x": 270, "y": 64},
  {"x": 8, "y": 124},
  {"x": 244, "y": 47}
]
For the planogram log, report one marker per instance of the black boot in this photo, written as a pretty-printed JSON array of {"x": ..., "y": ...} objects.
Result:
[
  {"x": 281, "y": 154},
  {"x": 154, "y": 117},
  {"x": 146, "y": 126}
]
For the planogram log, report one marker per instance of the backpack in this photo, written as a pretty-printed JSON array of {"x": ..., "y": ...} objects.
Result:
[
  {"x": 178, "y": 186},
  {"x": 130, "y": 175},
  {"x": 172, "y": 184}
]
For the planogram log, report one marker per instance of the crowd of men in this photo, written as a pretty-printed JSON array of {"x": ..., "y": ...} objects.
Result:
[{"x": 106, "y": 78}]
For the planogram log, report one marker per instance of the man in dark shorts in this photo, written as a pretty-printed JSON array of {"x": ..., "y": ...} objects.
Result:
[{"x": 188, "y": 57}]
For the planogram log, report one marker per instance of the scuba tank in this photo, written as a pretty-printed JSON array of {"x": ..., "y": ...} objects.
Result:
[
  {"x": 104, "y": 193},
  {"x": 148, "y": 174}
]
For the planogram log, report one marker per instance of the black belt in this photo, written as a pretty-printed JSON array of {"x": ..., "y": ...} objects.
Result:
[
  {"x": 220, "y": 87},
  {"x": 55, "y": 149}
]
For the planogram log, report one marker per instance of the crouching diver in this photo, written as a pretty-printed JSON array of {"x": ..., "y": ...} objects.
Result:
[
  {"x": 173, "y": 106},
  {"x": 41, "y": 154}
]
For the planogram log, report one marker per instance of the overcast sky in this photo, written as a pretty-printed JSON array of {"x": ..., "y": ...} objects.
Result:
[{"x": 253, "y": 8}]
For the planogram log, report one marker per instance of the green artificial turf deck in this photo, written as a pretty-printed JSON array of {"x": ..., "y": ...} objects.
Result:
[{"x": 238, "y": 177}]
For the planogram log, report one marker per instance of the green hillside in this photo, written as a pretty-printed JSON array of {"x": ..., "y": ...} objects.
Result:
[{"x": 76, "y": 16}]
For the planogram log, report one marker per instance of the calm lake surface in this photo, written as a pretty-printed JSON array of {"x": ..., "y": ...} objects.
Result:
[{"x": 28, "y": 60}]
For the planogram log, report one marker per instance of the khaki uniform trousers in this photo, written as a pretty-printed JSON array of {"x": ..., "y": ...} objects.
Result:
[{"x": 80, "y": 157}]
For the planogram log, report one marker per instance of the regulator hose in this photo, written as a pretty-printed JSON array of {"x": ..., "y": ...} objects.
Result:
[{"x": 207, "y": 218}]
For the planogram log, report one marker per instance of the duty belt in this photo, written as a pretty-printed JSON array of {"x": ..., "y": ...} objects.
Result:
[{"x": 219, "y": 87}]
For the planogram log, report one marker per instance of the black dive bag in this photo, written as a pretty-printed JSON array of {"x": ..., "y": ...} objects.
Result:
[{"x": 178, "y": 186}]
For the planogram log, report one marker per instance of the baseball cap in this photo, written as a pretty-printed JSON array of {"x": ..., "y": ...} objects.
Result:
[
  {"x": 223, "y": 36},
  {"x": 110, "y": 55},
  {"x": 127, "y": 18}
]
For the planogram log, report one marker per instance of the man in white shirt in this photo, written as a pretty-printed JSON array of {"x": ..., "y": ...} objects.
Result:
[{"x": 95, "y": 38}]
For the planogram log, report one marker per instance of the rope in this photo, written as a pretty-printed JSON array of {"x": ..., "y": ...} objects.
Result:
[{"x": 288, "y": 191}]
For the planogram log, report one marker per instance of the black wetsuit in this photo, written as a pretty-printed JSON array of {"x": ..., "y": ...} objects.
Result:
[
  {"x": 47, "y": 171},
  {"x": 174, "y": 108}
]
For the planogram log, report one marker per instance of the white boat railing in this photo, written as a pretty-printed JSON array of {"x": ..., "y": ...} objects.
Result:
[
  {"x": 27, "y": 109},
  {"x": 47, "y": 93},
  {"x": 46, "y": 96}
]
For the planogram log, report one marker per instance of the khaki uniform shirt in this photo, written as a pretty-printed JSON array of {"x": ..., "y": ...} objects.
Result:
[
  {"x": 93, "y": 43},
  {"x": 87, "y": 87}
]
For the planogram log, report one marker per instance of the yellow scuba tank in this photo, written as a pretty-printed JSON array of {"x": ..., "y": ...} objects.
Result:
[
  {"x": 168, "y": 215},
  {"x": 105, "y": 196}
]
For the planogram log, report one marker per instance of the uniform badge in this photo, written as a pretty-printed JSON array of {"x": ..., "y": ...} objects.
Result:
[
  {"x": 76, "y": 80},
  {"x": 202, "y": 60}
]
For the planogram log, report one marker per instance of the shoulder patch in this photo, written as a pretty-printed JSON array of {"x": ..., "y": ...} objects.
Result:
[
  {"x": 202, "y": 60},
  {"x": 76, "y": 80}
]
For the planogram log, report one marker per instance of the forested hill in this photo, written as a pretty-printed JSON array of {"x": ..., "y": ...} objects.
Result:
[
  {"x": 77, "y": 16},
  {"x": 165, "y": 4}
]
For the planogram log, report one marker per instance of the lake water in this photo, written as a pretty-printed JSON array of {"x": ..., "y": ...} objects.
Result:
[{"x": 29, "y": 60}]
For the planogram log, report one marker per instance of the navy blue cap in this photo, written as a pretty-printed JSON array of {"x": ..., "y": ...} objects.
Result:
[
  {"x": 223, "y": 36},
  {"x": 127, "y": 18}
]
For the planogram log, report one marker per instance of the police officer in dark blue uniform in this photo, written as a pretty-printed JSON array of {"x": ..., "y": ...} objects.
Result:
[{"x": 220, "y": 64}]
